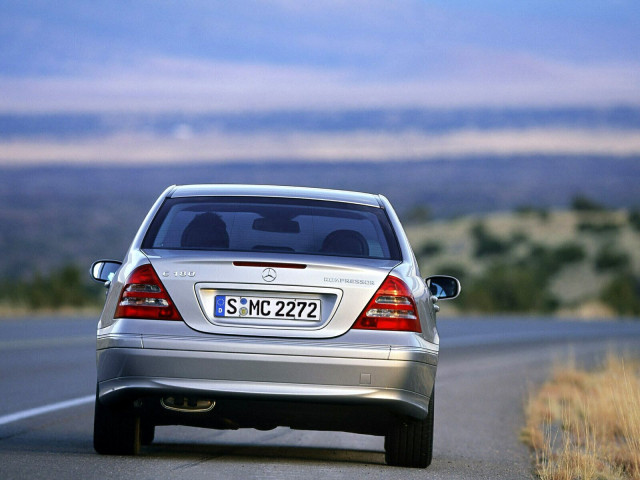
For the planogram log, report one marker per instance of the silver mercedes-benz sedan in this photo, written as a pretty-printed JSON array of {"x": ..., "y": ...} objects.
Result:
[{"x": 243, "y": 306}]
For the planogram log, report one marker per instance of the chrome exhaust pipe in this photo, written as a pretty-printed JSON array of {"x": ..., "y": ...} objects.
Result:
[{"x": 178, "y": 403}]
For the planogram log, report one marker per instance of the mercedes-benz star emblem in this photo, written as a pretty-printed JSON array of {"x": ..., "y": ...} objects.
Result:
[{"x": 269, "y": 275}]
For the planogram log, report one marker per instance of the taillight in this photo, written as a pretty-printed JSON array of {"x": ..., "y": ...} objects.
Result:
[
  {"x": 144, "y": 296},
  {"x": 391, "y": 308}
]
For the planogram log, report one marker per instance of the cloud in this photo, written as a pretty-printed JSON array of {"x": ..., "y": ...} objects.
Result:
[
  {"x": 275, "y": 54},
  {"x": 479, "y": 78}
]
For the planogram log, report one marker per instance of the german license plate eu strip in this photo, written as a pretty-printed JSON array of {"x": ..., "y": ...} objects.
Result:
[{"x": 303, "y": 309}]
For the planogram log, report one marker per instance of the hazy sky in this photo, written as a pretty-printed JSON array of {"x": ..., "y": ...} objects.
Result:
[{"x": 244, "y": 55}]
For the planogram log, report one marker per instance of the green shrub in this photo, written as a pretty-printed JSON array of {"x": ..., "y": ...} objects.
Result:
[
  {"x": 597, "y": 227},
  {"x": 611, "y": 258},
  {"x": 582, "y": 203},
  {"x": 623, "y": 294},
  {"x": 451, "y": 269},
  {"x": 486, "y": 243},
  {"x": 545, "y": 262},
  {"x": 504, "y": 288},
  {"x": 634, "y": 219},
  {"x": 430, "y": 248},
  {"x": 540, "y": 261},
  {"x": 518, "y": 237},
  {"x": 68, "y": 286},
  {"x": 569, "y": 252}
]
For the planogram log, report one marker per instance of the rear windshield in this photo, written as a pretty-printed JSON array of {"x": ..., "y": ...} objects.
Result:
[{"x": 247, "y": 224}]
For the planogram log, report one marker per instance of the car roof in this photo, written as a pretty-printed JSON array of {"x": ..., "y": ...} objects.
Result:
[{"x": 228, "y": 190}]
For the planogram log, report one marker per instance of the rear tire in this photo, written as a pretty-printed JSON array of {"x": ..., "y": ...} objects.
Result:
[
  {"x": 116, "y": 430},
  {"x": 409, "y": 443}
]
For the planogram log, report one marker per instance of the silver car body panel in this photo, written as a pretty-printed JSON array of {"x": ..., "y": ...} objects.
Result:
[
  {"x": 395, "y": 368},
  {"x": 325, "y": 362}
]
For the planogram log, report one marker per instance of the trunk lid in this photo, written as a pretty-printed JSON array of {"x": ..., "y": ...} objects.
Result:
[{"x": 269, "y": 294}]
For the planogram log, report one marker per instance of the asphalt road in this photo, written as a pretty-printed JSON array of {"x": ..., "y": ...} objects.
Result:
[{"x": 47, "y": 383}]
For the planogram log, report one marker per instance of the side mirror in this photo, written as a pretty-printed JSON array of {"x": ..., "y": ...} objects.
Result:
[
  {"x": 443, "y": 286},
  {"x": 103, "y": 271}
]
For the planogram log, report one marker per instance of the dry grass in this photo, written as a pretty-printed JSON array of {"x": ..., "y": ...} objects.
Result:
[{"x": 586, "y": 425}]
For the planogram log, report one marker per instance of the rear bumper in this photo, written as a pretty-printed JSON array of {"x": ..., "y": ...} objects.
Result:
[{"x": 395, "y": 379}]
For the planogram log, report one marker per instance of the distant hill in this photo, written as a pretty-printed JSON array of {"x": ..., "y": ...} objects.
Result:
[
  {"x": 583, "y": 262},
  {"x": 52, "y": 216}
]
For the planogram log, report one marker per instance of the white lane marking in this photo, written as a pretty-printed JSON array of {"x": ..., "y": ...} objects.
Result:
[{"x": 32, "y": 412}]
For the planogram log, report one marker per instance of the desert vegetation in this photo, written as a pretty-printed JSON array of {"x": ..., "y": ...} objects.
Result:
[
  {"x": 68, "y": 287},
  {"x": 586, "y": 424},
  {"x": 583, "y": 261}
]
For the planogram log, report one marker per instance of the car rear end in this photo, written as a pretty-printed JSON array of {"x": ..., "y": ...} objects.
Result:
[{"x": 263, "y": 307}]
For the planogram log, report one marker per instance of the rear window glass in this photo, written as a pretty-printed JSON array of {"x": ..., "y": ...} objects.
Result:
[{"x": 247, "y": 224}]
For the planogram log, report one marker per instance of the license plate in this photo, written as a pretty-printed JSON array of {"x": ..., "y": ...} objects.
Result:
[{"x": 226, "y": 306}]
